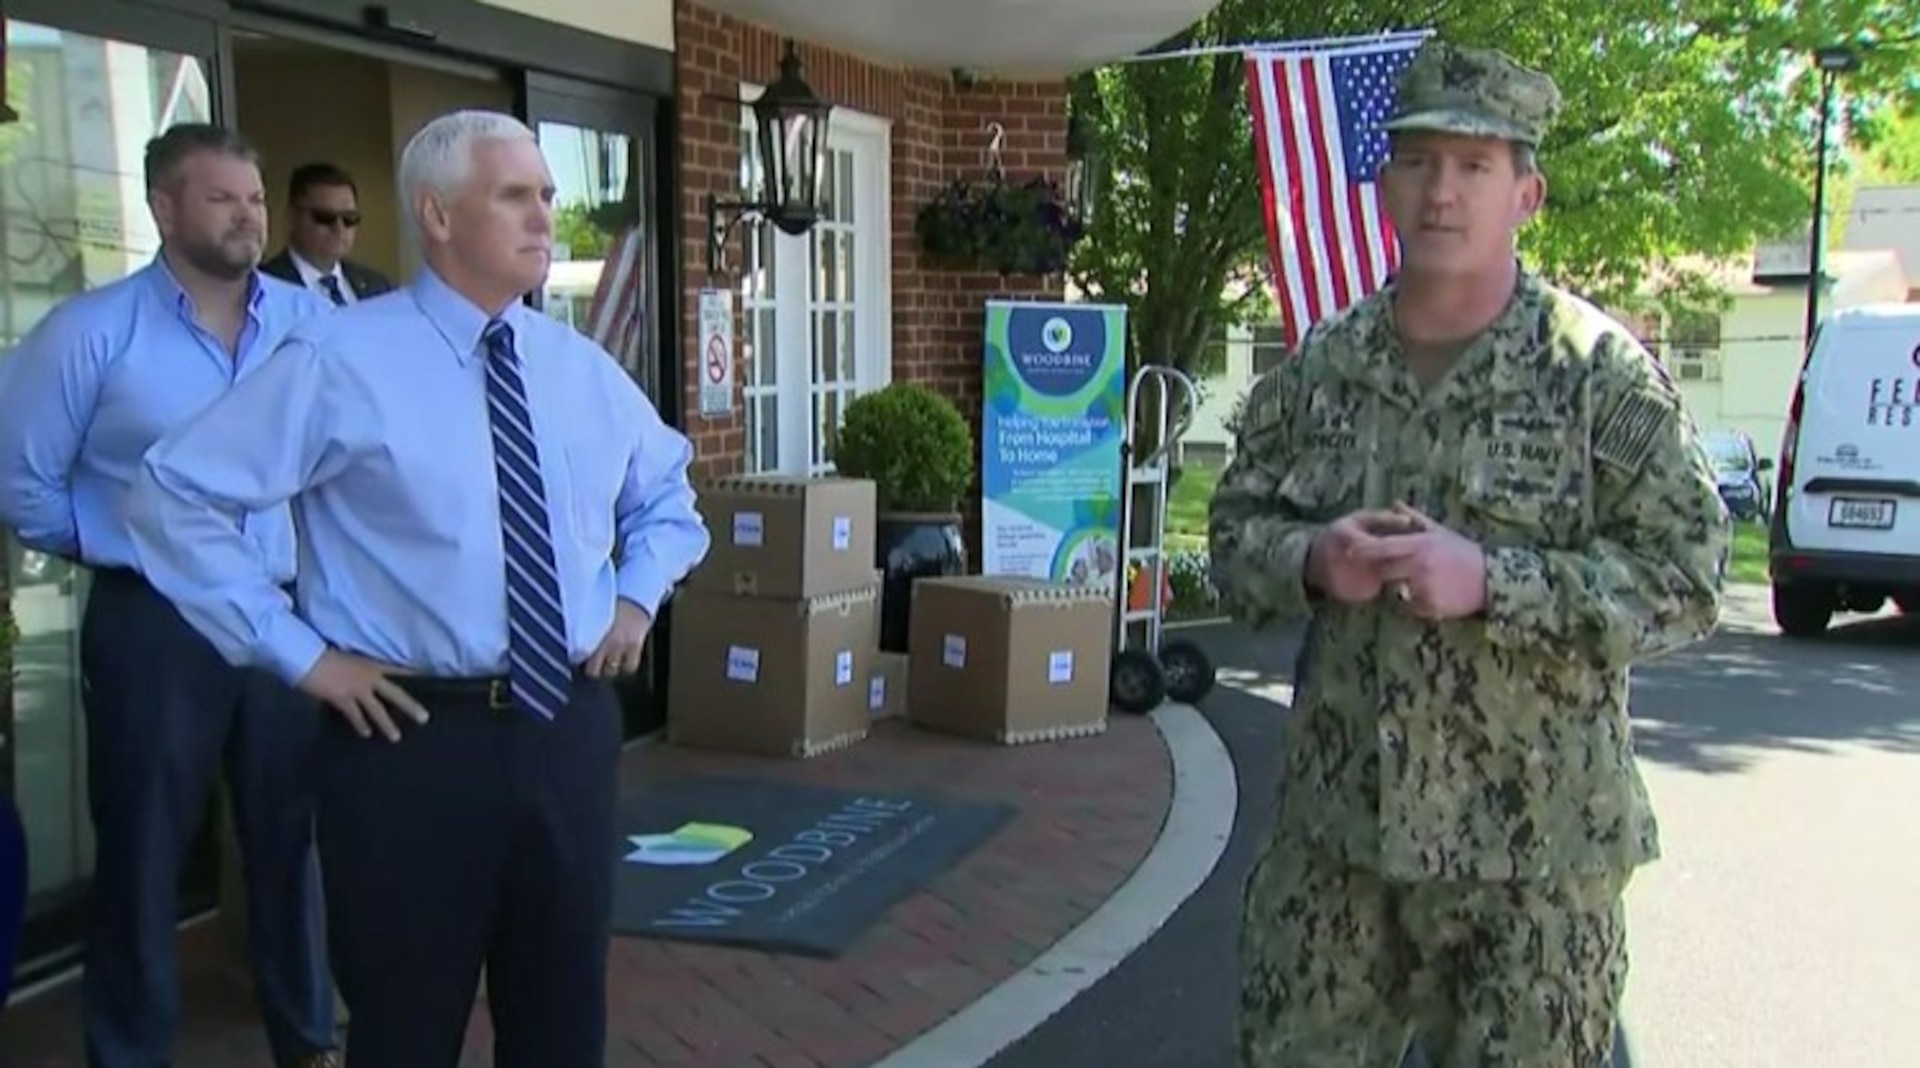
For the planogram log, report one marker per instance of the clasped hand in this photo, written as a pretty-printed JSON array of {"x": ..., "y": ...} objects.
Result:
[{"x": 1436, "y": 572}]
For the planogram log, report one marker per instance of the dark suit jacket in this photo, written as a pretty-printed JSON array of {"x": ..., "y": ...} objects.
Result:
[{"x": 365, "y": 281}]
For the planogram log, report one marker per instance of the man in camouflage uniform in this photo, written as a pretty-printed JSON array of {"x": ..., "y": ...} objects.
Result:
[{"x": 1487, "y": 497}]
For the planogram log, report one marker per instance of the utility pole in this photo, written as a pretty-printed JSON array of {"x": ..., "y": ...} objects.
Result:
[{"x": 1832, "y": 61}]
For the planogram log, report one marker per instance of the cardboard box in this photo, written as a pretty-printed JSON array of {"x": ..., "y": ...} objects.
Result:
[
  {"x": 1010, "y": 659},
  {"x": 787, "y": 536},
  {"x": 781, "y": 676},
  {"x": 887, "y": 690}
]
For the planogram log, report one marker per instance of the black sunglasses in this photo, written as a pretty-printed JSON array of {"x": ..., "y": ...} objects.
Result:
[{"x": 321, "y": 217}]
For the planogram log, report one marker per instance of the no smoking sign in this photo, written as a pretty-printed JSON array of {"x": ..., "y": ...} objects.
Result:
[{"x": 716, "y": 353}]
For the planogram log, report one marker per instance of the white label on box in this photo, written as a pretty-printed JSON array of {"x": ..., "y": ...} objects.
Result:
[
  {"x": 1060, "y": 666},
  {"x": 842, "y": 533},
  {"x": 877, "y": 693},
  {"x": 743, "y": 664},
  {"x": 748, "y": 529},
  {"x": 953, "y": 651},
  {"x": 843, "y": 668}
]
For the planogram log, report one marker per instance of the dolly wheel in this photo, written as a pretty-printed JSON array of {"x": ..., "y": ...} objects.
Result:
[
  {"x": 1189, "y": 673},
  {"x": 1136, "y": 683}
]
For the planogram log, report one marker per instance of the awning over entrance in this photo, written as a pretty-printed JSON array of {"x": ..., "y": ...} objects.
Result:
[{"x": 1026, "y": 38}]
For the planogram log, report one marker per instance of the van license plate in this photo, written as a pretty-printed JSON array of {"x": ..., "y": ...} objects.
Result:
[{"x": 1866, "y": 513}]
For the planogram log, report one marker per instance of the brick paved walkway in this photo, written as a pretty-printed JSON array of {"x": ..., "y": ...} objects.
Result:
[{"x": 1089, "y": 810}]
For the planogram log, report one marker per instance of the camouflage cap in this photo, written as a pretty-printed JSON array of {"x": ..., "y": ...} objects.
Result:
[{"x": 1473, "y": 91}]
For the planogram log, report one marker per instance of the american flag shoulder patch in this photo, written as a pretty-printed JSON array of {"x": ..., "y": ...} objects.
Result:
[
  {"x": 1628, "y": 436},
  {"x": 1264, "y": 409}
]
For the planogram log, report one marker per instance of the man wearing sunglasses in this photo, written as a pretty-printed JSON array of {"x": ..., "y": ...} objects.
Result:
[{"x": 323, "y": 215}]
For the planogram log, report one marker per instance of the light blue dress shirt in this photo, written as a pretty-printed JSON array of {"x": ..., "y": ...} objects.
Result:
[
  {"x": 98, "y": 381},
  {"x": 372, "y": 422}
]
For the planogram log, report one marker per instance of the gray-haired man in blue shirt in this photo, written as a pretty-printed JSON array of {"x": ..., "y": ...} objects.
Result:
[
  {"x": 491, "y": 512},
  {"x": 85, "y": 393}
]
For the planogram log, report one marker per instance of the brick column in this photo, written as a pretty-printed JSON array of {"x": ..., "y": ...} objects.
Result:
[{"x": 707, "y": 121}]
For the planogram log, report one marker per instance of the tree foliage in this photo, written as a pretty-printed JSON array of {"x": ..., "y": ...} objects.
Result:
[
  {"x": 1687, "y": 129},
  {"x": 1893, "y": 155},
  {"x": 574, "y": 227}
]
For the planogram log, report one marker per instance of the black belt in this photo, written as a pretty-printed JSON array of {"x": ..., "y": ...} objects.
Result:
[{"x": 491, "y": 692}]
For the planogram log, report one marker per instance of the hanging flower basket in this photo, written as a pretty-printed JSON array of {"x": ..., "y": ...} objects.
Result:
[{"x": 1024, "y": 229}]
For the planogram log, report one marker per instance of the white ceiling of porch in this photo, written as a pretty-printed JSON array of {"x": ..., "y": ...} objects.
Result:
[{"x": 1022, "y": 38}]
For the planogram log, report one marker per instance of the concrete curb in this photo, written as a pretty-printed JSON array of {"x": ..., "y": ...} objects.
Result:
[{"x": 1199, "y": 823}]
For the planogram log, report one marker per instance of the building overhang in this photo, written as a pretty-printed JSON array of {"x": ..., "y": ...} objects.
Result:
[{"x": 1042, "y": 39}]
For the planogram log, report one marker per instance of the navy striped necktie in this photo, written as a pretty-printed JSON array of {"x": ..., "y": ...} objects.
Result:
[{"x": 540, "y": 671}]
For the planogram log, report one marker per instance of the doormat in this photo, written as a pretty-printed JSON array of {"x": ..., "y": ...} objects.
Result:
[{"x": 782, "y": 867}]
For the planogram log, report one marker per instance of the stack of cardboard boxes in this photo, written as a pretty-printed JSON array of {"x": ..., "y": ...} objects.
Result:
[
  {"x": 775, "y": 644},
  {"x": 776, "y": 636}
]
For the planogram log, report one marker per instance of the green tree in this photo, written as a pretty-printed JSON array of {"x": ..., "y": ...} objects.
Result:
[
  {"x": 1880, "y": 147},
  {"x": 575, "y": 226},
  {"x": 1893, "y": 157},
  {"x": 1687, "y": 129}
]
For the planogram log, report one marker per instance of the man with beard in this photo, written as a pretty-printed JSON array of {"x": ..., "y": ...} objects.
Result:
[{"x": 102, "y": 377}]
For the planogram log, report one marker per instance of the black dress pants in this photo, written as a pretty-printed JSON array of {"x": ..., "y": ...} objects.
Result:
[
  {"x": 166, "y": 715},
  {"x": 483, "y": 839}
]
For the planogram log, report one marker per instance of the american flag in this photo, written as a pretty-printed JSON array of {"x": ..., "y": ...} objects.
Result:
[
  {"x": 614, "y": 315},
  {"x": 1319, "y": 146}
]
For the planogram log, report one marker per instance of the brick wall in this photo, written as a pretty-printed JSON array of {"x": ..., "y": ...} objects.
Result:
[{"x": 938, "y": 133}]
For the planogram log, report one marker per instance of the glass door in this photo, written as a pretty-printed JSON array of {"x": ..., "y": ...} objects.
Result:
[
  {"x": 606, "y": 277},
  {"x": 599, "y": 146},
  {"x": 90, "y": 84}
]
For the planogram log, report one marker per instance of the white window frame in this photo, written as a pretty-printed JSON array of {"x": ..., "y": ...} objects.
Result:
[{"x": 869, "y": 139}]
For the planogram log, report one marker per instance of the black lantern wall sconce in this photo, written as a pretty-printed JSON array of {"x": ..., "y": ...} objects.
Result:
[{"x": 791, "y": 130}]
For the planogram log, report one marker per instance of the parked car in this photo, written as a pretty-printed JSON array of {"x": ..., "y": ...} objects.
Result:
[
  {"x": 1846, "y": 532},
  {"x": 1744, "y": 483}
]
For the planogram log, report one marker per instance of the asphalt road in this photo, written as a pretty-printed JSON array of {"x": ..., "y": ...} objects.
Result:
[
  {"x": 1780, "y": 930},
  {"x": 1782, "y": 927},
  {"x": 1172, "y": 1002}
]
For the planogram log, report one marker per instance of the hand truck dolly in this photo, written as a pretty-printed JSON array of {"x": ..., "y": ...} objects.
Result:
[{"x": 1146, "y": 670}]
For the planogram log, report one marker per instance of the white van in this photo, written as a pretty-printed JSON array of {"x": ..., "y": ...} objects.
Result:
[{"x": 1846, "y": 520}]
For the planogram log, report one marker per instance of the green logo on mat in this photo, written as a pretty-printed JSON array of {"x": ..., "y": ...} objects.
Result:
[{"x": 687, "y": 845}]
